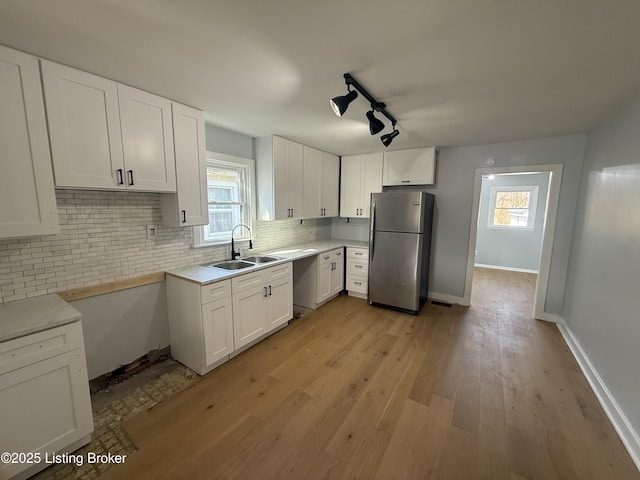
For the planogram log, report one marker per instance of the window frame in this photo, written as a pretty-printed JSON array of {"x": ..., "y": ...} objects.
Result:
[
  {"x": 533, "y": 202},
  {"x": 230, "y": 161}
]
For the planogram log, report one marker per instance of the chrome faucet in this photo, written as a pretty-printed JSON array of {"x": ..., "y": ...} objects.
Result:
[{"x": 236, "y": 253}]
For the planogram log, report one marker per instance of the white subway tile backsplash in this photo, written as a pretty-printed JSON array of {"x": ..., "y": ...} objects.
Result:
[{"x": 103, "y": 238}]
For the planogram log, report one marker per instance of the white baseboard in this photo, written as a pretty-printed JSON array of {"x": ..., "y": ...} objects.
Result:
[
  {"x": 625, "y": 430},
  {"x": 509, "y": 269},
  {"x": 443, "y": 297},
  {"x": 549, "y": 317}
]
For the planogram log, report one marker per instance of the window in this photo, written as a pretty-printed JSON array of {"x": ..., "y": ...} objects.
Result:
[
  {"x": 230, "y": 199},
  {"x": 513, "y": 207}
]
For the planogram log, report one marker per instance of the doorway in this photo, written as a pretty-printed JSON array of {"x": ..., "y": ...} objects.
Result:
[{"x": 516, "y": 217}]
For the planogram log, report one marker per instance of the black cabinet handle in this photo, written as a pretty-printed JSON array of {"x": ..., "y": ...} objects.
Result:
[
  {"x": 265, "y": 292},
  {"x": 184, "y": 216},
  {"x": 120, "y": 176},
  {"x": 269, "y": 290},
  {"x": 130, "y": 172}
]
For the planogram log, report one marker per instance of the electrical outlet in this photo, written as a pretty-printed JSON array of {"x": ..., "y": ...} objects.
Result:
[{"x": 151, "y": 232}]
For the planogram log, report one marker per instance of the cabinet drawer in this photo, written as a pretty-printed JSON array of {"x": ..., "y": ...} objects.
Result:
[
  {"x": 215, "y": 291},
  {"x": 33, "y": 348},
  {"x": 279, "y": 271},
  {"x": 353, "y": 252},
  {"x": 357, "y": 267},
  {"x": 331, "y": 256},
  {"x": 356, "y": 283},
  {"x": 248, "y": 281}
]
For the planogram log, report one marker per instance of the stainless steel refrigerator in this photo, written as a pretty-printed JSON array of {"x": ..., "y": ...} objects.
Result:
[{"x": 399, "y": 248}]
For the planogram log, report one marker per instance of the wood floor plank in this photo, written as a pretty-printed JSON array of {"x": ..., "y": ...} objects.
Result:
[{"x": 358, "y": 392}]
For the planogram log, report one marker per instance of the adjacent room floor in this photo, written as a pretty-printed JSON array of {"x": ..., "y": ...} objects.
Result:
[{"x": 353, "y": 391}]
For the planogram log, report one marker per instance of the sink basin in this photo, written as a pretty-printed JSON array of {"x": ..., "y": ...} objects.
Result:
[
  {"x": 261, "y": 259},
  {"x": 231, "y": 265}
]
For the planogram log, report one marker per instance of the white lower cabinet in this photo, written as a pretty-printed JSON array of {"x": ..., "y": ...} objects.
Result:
[
  {"x": 262, "y": 301},
  {"x": 319, "y": 279},
  {"x": 200, "y": 323},
  {"x": 44, "y": 397},
  {"x": 208, "y": 323},
  {"x": 357, "y": 271}
]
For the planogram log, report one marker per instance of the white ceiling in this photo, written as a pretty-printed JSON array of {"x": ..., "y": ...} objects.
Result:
[{"x": 453, "y": 72}]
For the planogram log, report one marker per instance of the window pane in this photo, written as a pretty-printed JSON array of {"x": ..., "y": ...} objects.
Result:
[
  {"x": 220, "y": 194},
  {"x": 511, "y": 216},
  {"x": 225, "y": 184},
  {"x": 512, "y": 199},
  {"x": 512, "y": 208},
  {"x": 229, "y": 198}
]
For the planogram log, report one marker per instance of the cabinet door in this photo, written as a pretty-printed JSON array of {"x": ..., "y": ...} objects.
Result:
[
  {"x": 312, "y": 171},
  {"x": 324, "y": 273},
  {"x": 84, "y": 128},
  {"x": 372, "y": 176},
  {"x": 45, "y": 406},
  {"x": 337, "y": 277},
  {"x": 217, "y": 328},
  {"x": 280, "y": 302},
  {"x": 350, "y": 186},
  {"x": 147, "y": 141},
  {"x": 281, "y": 178},
  {"x": 330, "y": 184},
  {"x": 24, "y": 151},
  {"x": 410, "y": 167},
  {"x": 188, "y": 206},
  {"x": 249, "y": 315},
  {"x": 295, "y": 179}
]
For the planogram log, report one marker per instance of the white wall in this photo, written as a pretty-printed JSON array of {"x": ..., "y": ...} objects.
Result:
[
  {"x": 511, "y": 248},
  {"x": 454, "y": 197},
  {"x": 601, "y": 306}
]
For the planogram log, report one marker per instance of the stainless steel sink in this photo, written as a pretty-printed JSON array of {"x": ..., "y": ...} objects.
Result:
[
  {"x": 231, "y": 265},
  {"x": 261, "y": 259}
]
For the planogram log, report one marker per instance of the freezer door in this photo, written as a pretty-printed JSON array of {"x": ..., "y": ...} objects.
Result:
[
  {"x": 398, "y": 211},
  {"x": 394, "y": 269}
]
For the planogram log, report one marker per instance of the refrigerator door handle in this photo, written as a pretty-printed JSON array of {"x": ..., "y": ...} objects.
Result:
[
  {"x": 372, "y": 240},
  {"x": 373, "y": 214}
]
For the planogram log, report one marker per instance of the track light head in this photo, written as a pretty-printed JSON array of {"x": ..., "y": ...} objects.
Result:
[
  {"x": 341, "y": 103},
  {"x": 388, "y": 138},
  {"x": 375, "y": 124}
]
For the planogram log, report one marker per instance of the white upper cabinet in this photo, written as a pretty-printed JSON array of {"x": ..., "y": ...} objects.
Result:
[
  {"x": 26, "y": 183},
  {"x": 360, "y": 176},
  {"x": 312, "y": 183},
  {"x": 107, "y": 136},
  {"x": 279, "y": 173},
  {"x": 84, "y": 128},
  {"x": 321, "y": 180},
  {"x": 147, "y": 140},
  {"x": 188, "y": 206},
  {"x": 330, "y": 184},
  {"x": 410, "y": 167}
]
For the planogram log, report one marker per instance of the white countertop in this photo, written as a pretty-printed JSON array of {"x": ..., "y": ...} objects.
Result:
[
  {"x": 206, "y": 275},
  {"x": 31, "y": 315}
]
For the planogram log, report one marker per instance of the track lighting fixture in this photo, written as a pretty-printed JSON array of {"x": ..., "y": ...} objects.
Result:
[
  {"x": 388, "y": 138},
  {"x": 341, "y": 103},
  {"x": 375, "y": 124}
]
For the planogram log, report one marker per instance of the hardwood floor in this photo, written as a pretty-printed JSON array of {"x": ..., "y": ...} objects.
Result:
[{"x": 359, "y": 392}]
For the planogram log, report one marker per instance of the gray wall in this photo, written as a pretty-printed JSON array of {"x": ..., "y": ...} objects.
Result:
[
  {"x": 122, "y": 326},
  {"x": 225, "y": 141},
  {"x": 454, "y": 197},
  {"x": 601, "y": 306},
  {"x": 518, "y": 249}
]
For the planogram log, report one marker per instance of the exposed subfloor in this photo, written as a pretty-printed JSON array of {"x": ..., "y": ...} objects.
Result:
[{"x": 114, "y": 405}]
